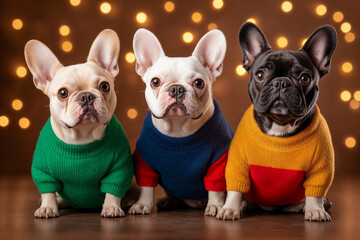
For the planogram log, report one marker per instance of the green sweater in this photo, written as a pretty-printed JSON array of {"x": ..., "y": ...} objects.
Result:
[{"x": 82, "y": 174}]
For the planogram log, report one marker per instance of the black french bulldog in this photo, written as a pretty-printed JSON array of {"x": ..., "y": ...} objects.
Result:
[{"x": 284, "y": 84}]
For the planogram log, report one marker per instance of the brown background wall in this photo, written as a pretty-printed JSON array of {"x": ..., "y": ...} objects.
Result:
[{"x": 42, "y": 20}]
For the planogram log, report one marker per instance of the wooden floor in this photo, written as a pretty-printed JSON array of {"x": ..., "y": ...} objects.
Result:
[{"x": 18, "y": 200}]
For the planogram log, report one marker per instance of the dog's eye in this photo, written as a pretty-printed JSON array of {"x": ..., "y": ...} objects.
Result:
[
  {"x": 63, "y": 93},
  {"x": 104, "y": 87},
  {"x": 260, "y": 75},
  {"x": 199, "y": 83},
  {"x": 155, "y": 82},
  {"x": 305, "y": 78}
]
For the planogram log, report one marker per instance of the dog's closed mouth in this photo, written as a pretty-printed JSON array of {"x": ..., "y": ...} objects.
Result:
[{"x": 175, "y": 107}]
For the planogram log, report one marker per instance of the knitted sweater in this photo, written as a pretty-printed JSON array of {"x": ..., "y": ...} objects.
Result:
[
  {"x": 82, "y": 174},
  {"x": 278, "y": 171},
  {"x": 185, "y": 167}
]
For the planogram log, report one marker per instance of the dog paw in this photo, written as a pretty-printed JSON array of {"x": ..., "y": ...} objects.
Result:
[
  {"x": 140, "y": 209},
  {"x": 317, "y": 215},
  {"x": 112, "y": 212},
  {"x": 212, "y": 210},
  {"x": 46, "y": 212},
  {"x": 228, "y": 214}
]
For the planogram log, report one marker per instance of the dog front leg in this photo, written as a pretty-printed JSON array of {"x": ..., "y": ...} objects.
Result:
[
  {"x": 49, "y": 207},
  {"x": 232, "y": 208},
  {"x": 144, "y": 204},
  {"x": 314, "y": 209},
  {"x": 215, "y": 203},
  {"x": 112, "y": 207}
]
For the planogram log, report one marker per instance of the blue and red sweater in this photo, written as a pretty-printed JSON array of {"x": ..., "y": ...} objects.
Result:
[{"x": 185, "y": 167}]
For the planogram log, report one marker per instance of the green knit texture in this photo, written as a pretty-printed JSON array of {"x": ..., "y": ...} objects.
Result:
[{"x": 82, "y": 174}]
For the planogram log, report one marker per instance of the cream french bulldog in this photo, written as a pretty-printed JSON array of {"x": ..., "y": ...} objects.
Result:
[
  {"x": 68, "y": 167},
  {"x": 184, "y": 141}
]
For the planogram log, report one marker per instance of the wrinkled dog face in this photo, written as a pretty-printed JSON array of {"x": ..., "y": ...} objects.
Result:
[
  {"x": 178, "y": 87},
  {"x": 79, "y": 94}
]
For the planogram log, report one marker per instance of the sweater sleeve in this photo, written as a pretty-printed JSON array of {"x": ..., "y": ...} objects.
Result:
[
  {"x": 321, "y": 172},
  {"x": 144, "y": 175},
  {"x": 214, "y": 179}
]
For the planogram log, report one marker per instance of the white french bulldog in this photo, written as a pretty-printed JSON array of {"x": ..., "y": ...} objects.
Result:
[
  {"x": 82, "y": 103},
  {"x": 179, "y": 95}
]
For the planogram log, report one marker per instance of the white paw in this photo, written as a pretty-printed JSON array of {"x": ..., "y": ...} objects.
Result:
[
  {"x": 317, "y": 215},
  {"x": 228, "y": 214},
  {"x": 212, "y": 210},
  {"x": 46, "y": 212},
  {"x": 139, "y": 208},
  {"x": 112, "y": 212}
]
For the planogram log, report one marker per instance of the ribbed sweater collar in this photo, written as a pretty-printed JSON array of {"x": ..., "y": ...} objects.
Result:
[
  {"x": 53, "y": 143},
  {"x": 281, "y": 143},
  {"x": 208, "y": 130}
]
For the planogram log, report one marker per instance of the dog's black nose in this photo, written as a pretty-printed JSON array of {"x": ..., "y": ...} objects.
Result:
[
  {"x": 280, "y": 83},
  {"x": 86, "y": 98},
  {"x": 177, "y": 91}
]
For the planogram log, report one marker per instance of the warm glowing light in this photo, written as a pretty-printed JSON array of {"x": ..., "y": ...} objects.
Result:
[
  {"x": 212, "y": 26},
  {"x": 24, "y": 123},
  {"x": 66, "y": 46},
  {"x": 345, "y": 27},
  {"x": 240, "y": 70},
  {"x": 350, "y": 142},
  {"x": 141, "y": 17},
  {"x": 196, "y": 17},
  {"x": 338, "y": 16},
  {"x": 132, "y": 113},
  {"x": 218, "y": 4},
  {"x": 64, "y": 30},
  {"x": 349, "y": 37},
  {"x": 188, "y": 37},
  {"x": 75, "y": 3},
  {"x": 303, "y": 41},
  {"x": 347, "y": 67},
  {"x": 21, "y": 71},
  {"x": 17, "y": 104},
  {"x": 105, "y": 7},
  {"x": 282, "y": 42},
  {"x": 345, "y": 96},
  {"x": 169, "y": 6},
  {"x": 17, "y": 24},
  {"x": 4, "y": 121},
  {"x": 354, "y": 104},
  {"x": 321, "y": 10},
  {"x": 130, "y": 57},
  {"x": 251, "y": 20},
  {"x": 357, "y": 95},
  {"x": 286, "y": 6}
]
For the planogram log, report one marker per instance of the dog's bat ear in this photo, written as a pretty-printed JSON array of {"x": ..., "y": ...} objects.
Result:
[
  {"x": 147, "y": 49},
  {"x": 210, "y": 51},
  {"x": 252, "y": 43},
  {"x": 42, "y": 63},
  {"x": 105, "y": 51},
  {"x": 320, "y": 46}
]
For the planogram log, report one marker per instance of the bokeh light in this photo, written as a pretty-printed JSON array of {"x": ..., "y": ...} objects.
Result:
[
  {"x": 303, "y": 42},
  {"x": 354, "y": 104},
  {"x": 188, "y": 37},
  {"x": 64, "y": 30},
  {"x": 24, "y": 123},
  {"x": 17, "y": 24},
  {"x": 75, "y": 3},
  {"x": 66, "y": 46},
  {"x": 321, "y": 10},
  {"x": 17, "y": 104},
  {"x": 130, "y": 57},
  {"x": 345, "y": 27},
  {"x": 218, "y": 4},
  {"x": 169, "y": 6},
  {"x": 141, "y": 17},
  {"x": 347, "y": 67},
  {"x": 240, "y": 70},
  {"x": 357, "y": 95},
  {"x": 345, "y": 96},
  {"x": 4, "y": 121},
  {"x": 282, "y": 42},
  {"x": 132, "y": 113},
  {"x": 251, "y": 20},
  {"x": 196, "y": 17},
  {"x": 286, "y": 6},
  {"x": 212, "y": 26},
  {"x": 21, "y": 71},
  {"x": 105, "y": 7},
  {"x": 338, "y": 16},
  {"x": 349, "y": 37},
  {"x": 350, "y": 142}
]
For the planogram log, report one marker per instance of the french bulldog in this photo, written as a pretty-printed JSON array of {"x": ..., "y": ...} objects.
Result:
[
  {"x": 283, "y": 89},
  {"x": 185, "y": 138},
  {"x": 68, "y": 167}
]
